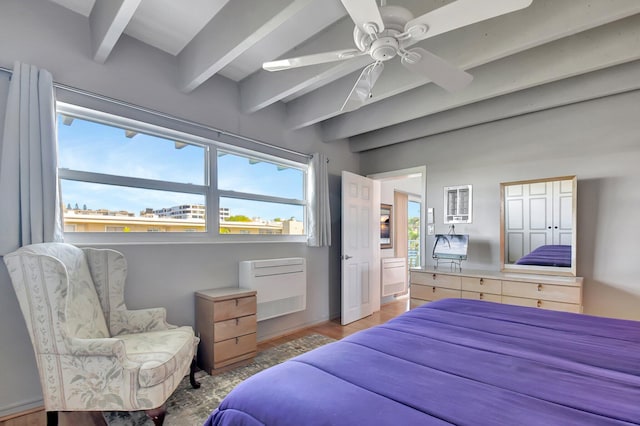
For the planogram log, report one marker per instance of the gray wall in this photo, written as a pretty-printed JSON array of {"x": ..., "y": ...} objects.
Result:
[
  {"x": 46, "y": 35},
  {"x": 598, "y": 141}
]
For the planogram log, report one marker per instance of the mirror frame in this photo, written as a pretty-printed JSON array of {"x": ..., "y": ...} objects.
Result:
[{"x": 532, "y": 269}]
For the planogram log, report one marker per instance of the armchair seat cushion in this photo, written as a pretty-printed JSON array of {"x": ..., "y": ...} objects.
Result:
[{"x": 160, "y": 353}]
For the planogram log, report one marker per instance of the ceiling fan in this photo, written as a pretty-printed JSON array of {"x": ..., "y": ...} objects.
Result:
[{"x": 386, "y": 32}]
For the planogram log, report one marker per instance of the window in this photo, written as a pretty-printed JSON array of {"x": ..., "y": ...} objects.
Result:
[
  {"x": 260, "y": 195},
  {"x": 457, "y": 204},
  {"x": 130, "y": 178}
]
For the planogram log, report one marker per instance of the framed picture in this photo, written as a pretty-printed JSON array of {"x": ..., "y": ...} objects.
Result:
[{"x": 386, "y": 226}]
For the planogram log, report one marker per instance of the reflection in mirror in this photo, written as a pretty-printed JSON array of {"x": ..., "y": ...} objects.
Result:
[
  {"x": 538, "y": 226},
  {"x": 386, "y": 226}
]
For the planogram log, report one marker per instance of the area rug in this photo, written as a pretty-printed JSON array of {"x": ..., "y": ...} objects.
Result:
[{"x": 191, "y": 407}]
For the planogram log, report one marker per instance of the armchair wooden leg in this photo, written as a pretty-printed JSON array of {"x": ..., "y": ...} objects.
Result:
[
  {"x": 52, "y": 418},
  {"x": 157, "y": 415},
  {"x": 192, "y": 375}
]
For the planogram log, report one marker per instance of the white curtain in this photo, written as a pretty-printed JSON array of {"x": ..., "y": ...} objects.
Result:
[
  {"x": 29, "y": 188},
  {"x": 319, "y": 212}
]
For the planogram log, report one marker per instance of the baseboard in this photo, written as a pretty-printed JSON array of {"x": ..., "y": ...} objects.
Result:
[{"x": 20, "y": 409}]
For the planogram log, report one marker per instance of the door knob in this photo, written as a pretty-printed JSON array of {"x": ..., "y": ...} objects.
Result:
[{"x": 346, "y": 256}]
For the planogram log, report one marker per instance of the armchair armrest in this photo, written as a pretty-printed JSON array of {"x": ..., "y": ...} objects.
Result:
[
  {"x": 98, "y": 347},
  {"x": 139, "y": 321}
]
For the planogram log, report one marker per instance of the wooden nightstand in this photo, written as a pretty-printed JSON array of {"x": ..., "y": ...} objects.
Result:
[{"x": 226, "y": 323}]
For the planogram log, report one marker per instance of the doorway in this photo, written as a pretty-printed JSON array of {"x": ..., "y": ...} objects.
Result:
[{"x": 405, "y": 191}]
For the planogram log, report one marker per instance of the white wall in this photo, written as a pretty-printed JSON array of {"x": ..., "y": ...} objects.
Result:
[
  {"x": 599, "y": 141},
  {"x": 51, "y": 37}
]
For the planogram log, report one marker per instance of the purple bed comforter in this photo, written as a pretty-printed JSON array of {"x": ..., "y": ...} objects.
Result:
[
  {"x": 549, "y": 255},
  {"x": 455, "y": 361}
]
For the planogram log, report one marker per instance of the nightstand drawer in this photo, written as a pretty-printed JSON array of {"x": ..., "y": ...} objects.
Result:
[
  {"x": 550, "y": 292},
  {"x": 233, "y": 348},
  {"x": 233, "y": 308},
  {"x": 482, "y": 285},
  {"x": 234, "y": 327}
]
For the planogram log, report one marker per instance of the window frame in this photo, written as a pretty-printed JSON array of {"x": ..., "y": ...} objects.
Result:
[{"x": 209, "y": 189}]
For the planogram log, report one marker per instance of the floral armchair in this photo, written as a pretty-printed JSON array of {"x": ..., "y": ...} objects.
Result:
[{"x": 93, "y": 354}]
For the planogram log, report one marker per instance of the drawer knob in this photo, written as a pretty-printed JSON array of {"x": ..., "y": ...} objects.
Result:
[
  {"x": 481, "y": 281},
  {"x": 237, "y": 302},
  {"x": 539, "y": 287},
  {"x": 481, "y": 296},
  {"x": 433, "y": 289},
  {"x": 237, "y": 321},
  {"x": 237, "y": 340},
  {"x": 539, "y": 304},
  {"x": 434, "y": 276}
]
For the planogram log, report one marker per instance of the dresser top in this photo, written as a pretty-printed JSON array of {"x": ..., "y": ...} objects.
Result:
[
  {"x": 225, "y": 293},
  {"x": 507, "y": 276}
]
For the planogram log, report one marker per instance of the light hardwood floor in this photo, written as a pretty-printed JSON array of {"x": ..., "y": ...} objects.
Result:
[{"x": 331, "y": 329}]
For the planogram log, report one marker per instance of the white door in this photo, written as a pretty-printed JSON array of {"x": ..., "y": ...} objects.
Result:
[{"x": 360, "y": 247}]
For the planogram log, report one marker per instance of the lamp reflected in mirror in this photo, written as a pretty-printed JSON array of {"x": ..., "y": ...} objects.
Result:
[{"x": 538, "y": 226}]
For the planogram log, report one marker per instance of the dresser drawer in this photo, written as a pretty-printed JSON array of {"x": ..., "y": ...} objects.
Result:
[
  {"x": 549, "y": 292},
  {"x": 233, "y": 308},
  {"x": 414, "y": 303},
  {"x": 482, "y": 285},
  {"x": 234, "y": 327},
  {"x": 544, "y": 304},
  {"x": 233, "y": 348},
  {"x": 432, "y": 293},
  {"x": 437, "y": 280},
  {"x": 481, "y": 296}
]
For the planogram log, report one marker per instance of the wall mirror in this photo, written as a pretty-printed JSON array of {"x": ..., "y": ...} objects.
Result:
[
  {"x": 538, "y": 226},
  {"x": 386, "y": 226}
]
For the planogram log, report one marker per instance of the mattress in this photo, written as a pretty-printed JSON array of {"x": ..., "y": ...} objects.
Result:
[
  {"x": 455, "y": 361},
  {"x": 549, "y": 255}
]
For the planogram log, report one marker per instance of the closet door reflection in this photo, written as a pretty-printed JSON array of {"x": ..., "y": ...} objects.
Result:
[{"x": 538, "y": 225}]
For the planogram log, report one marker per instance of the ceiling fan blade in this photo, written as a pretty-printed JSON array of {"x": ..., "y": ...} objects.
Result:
[
  {"x": 460, "y": 13},
  {"x": 364, "y": 12},
  {"x": 436, "y": 69},
  {"x": 318, "y": 58},
  {"x": 362, "y": 89}
]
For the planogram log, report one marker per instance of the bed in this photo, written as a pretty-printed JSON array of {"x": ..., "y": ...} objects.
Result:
[
  {"x": 548, "y": 255},
  {"x": 455, "y": 361}
]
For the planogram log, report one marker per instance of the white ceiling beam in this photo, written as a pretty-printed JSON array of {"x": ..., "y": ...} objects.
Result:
[
  {"x": 474, "y": 45},
  {"x": 107, "y": 21},
  {"x": 614, "y": 80},
  {"x": 316, "y": 16},
  {"x": 265, "y": 88},
  {"x": 592, "y": 50},
  {"x": 238, "y": 26}
]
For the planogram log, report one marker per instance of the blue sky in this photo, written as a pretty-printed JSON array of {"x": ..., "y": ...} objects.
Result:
[
  {"x": 87, "y": 146},
  {"x": 414, "y": 209}
]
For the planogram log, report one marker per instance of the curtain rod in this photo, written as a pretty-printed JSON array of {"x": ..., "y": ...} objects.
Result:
[{"x": 168, "y": 116}]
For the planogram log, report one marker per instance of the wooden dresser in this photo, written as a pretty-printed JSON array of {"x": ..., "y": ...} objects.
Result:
[
  {"x": 226, "y": 324},
  {"x": 543, "y": 291}
]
